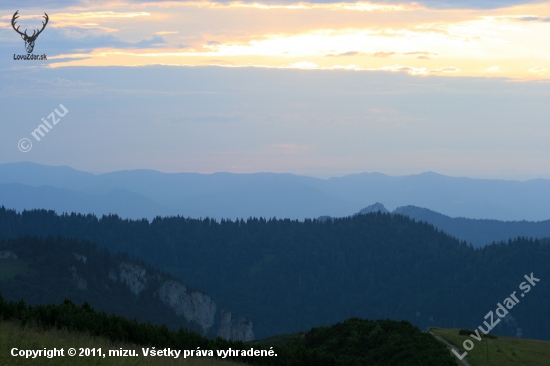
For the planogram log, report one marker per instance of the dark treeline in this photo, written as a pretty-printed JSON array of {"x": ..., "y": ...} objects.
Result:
[
  {"x": 83, "y": 318},
  {"x": 288, "y": 275},
  {"x": 468, "y": 332},
  {"x": 355, "y": 342}
]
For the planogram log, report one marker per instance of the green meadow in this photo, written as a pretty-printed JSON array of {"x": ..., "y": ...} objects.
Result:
[{"x": 502, "y": 351}]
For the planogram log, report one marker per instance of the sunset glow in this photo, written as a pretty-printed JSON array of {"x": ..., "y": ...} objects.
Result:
[{"x": 505, "y": 42}]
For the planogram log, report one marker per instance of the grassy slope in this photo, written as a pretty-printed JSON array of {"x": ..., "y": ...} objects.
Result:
[
  {"x": 503, "y": 351},
  {"x": 13, "y": 335}
]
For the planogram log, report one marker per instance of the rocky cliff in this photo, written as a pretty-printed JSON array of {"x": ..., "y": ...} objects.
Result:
[
  {"x": 115, "y": 284},
  {"x": 5, "y": 254},
  {"x": 194, "y": 306},
  {"x": 236, "y": 331}
]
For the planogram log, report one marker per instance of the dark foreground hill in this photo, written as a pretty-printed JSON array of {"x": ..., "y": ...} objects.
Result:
[
  {"x": 354, "y": 342},
  {"x": 289, "y": 276}
]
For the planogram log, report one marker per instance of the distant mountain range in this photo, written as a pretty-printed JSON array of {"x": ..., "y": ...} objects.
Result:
[
  {"x": 475, "y": 231},
  {"x": 146, "y": 193},
  {"x": 119, "y": 201}
]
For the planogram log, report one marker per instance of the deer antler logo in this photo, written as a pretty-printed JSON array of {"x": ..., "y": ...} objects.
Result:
[{"x": 29, "y": 40}]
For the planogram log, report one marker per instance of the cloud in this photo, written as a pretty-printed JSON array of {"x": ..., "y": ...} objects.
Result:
[
  {"x": 493, "y": 69},
  {"x": 70, "y": 40},
  {"x": 83, "y": 20},
  {"x": 295, "y": 4},
  {"x": 374, "y": 5},
  {"x": 362, "y": 6},
  {"x": 421, "y": 53},
  {"x": 98, "y": 15},
  {"x": 63, "y": 83},
  {"x": 303, "y": 65},
  {"x": 218, "y": 62},
  {"x": 349, "y": 53},
  {"x": 537, "y": 69},
  {"x": 324, "y": 37},
  {"x": 58, "y": 86},
  {"x": 287, "y": 149},
  {"x": 346, "y": 67},
  {"x": 408, "y": 69},
  {"x": 533, "y": 19},
  {"x": 473, "y": 4},
  {"x": 380, "y": 54},
  {"x": 213, "y": 46},
  {"x": 73, "y": 33},
  {"x": 43, "y": 4},
  {"x": 450, "y": 69},
  {"x": 383, "y": 54}
]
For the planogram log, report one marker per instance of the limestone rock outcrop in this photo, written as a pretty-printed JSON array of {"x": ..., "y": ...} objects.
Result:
[
  {"x": 81, "y": 283},
  {"x": 194, "y": 306},
  {"x": 225, "y": 325},
  {"x": 112, "y": 275},
  {"x": 374, "y": 208},
  {"x": 134, "y": 276},
  {"x": 4, "y": 254},
  {"x": 80, "y": 257},
  {"x": 239, "y": 331}
]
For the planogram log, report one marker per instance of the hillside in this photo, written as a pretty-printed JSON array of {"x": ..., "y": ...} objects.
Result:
[
  {"x": 288, "y": 276},
  {"x": 475, "y": 231},
  {"x": 49, "y": 270}
]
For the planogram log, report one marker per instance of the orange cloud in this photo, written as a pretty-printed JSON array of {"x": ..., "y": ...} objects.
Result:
[{"x": 320, "y": 36}]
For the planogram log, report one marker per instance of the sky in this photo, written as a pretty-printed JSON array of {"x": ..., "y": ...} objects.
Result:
[{"x": 322, "y": 88}]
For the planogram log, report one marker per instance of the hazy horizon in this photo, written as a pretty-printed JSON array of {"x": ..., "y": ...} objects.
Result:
[
  {"x": 504, "y": 175},
  {"x": 308, "y": 122}
]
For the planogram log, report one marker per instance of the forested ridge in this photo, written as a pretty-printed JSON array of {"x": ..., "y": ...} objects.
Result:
[{"x": 287, "y": 275}]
